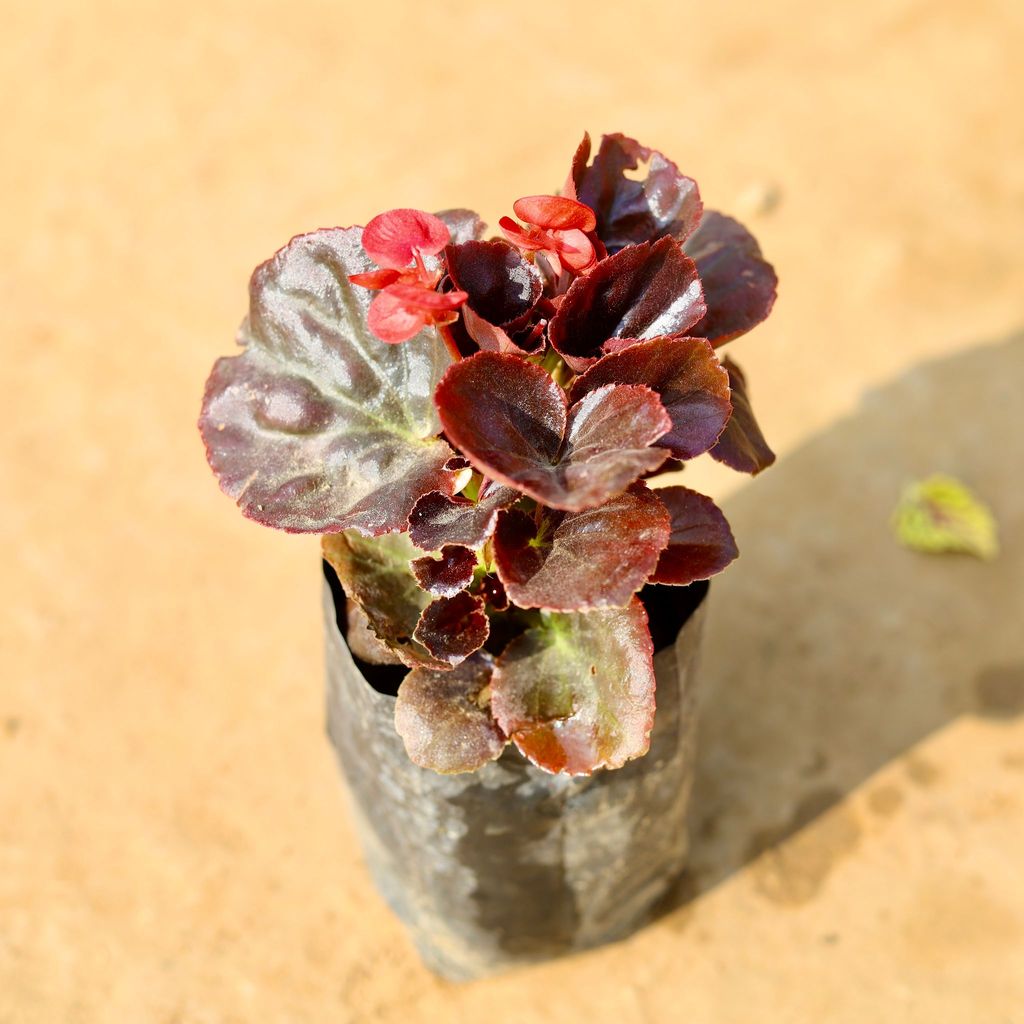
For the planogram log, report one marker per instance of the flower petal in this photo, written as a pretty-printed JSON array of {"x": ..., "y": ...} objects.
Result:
[
  {"x": 555, "y": 213},
  {"x": 376, "y": 279},
  {"x": 392, "y": 319},
  {"x": 415, "y": 296},
  {"x": 392, "y": 238},
  {"x": 575, "y": 249},
  {"x": 525, "y": 240}
]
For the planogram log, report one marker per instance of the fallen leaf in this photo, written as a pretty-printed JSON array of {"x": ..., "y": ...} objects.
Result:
[{"x": 941, "y": 515}]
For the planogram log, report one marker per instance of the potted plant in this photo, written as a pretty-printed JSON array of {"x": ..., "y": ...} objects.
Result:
[{"x": 477, "y": 429}]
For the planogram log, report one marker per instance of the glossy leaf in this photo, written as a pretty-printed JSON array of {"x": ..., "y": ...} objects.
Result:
[
  {"x": 452, "y": 628},
  {"x": 318, "y": 426},
  {"x": 742, "y": 445},
  {"x": 464, "y": 225},
  {"x": 492, "y": 590},
  {"x": 575, "y": 561},
  {"x": 665, "y": 202},
  {"x": 375, "y": 573},
  {"x": 644, "y": 291},
  {"x": 444, "y": 718},
  {"x": 685, "y": 374},
  {"x": 700, "y": 544},
  {"x": 739, "y": 284},
  {"x": 941, "y": 514},
  {"x": 512, "y": 421},
  {"x": 437, "y": 519},
  {"x": 577, "y": 167},
  {"x": 576, "y": 692},
  {"x": 502, "y": 288},
  {"x": 447, "y": 574}
]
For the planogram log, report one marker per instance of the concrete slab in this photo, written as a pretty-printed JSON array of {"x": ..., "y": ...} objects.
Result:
[{"x": 174, "y": 845}]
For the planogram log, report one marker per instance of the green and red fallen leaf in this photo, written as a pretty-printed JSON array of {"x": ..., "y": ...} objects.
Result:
[{"x": 470, "y": 423}]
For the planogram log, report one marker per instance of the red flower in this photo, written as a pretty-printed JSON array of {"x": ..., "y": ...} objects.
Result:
[
  {"x": 556, "y": 227},
  {"x": 408, "y": 300}
]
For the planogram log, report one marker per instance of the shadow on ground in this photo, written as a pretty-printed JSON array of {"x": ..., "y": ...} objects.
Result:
[{"x": 832, "y": 651}]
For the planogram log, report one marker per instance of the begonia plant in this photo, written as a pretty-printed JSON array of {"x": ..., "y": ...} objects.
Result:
[{"x": 477, "y": 427}]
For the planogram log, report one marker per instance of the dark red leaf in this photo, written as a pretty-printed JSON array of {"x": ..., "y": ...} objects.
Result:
[
  {"x": 447, "y": 574},
  {"x": 452, "y": 628},
  {"x": 608, "y": 429},
  {"x": 501, "y": 286},
  {"x": 512, "y": 421},
  {"x": 576, "y": 691},
  {"x": 685, "y": 374},
  {"x": 437, "y": 519},
  {"x": 493, "y": 592},
  {"x": 392, "y": 238},
  {"x": 578, "y": 166},
  {"x": 444, "y": 719},
  {"x": 701, "y": 543},
  {"x": 742, "y": 445},
  {"x": 666, "y": 202},
  {"x": 644, "y": 291},
  {"x": 739, "y": 284},
  {"x": 487, "y": 336},
  {"x": 375, "y": 574},
  {"x": 319, "y": 426},
  {"x": 574, "y": 561},
  {"x": 500, "y": 409}
]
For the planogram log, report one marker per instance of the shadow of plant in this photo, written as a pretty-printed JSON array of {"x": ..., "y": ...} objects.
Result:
[{"x": 830, "y": 649}]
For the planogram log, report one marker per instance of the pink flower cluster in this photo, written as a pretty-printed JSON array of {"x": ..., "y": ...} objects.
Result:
[
  {"x": 399, "y": 242},
  {"x": 559, "y": 230}
]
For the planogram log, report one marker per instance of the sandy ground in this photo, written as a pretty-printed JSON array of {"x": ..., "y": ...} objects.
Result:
[{"x": 174, "y": 841}]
